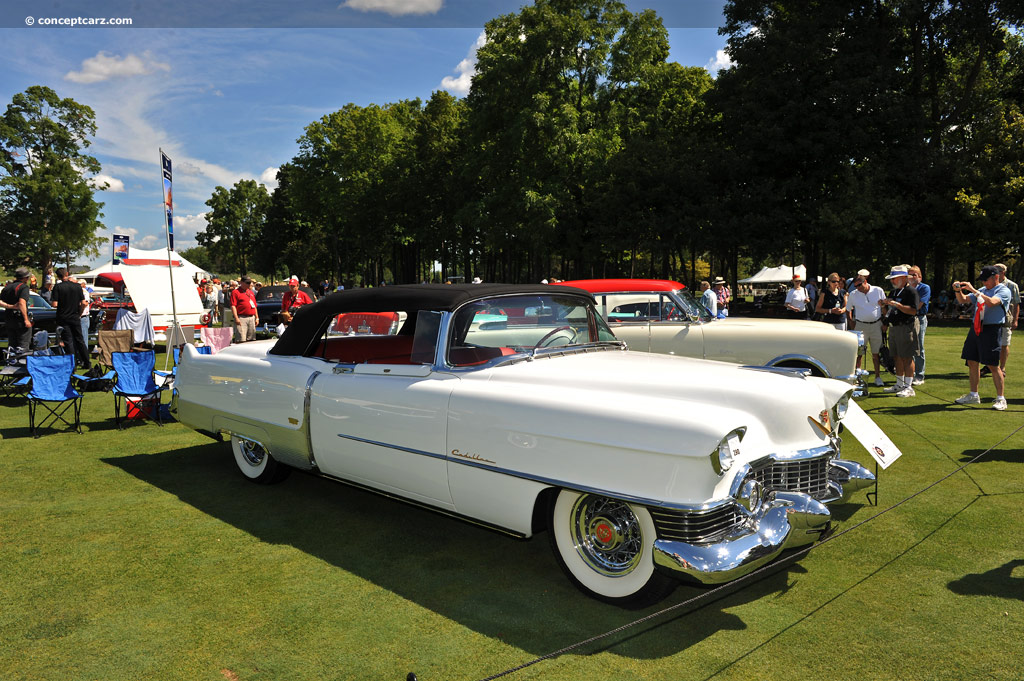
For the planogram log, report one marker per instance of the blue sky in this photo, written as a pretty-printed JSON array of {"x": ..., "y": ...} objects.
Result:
[{"x": 229, "y": 103}]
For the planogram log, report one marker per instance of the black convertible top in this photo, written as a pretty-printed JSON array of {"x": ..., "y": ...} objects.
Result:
[{"x": 311, "y": 321}]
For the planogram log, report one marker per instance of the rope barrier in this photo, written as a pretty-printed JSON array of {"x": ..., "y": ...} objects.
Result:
[{"x": 743, "y": 581}]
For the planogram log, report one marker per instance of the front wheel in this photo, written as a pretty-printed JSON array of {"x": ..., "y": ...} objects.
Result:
[
  {"x": 605, "y": 547},
  {"x": 256, "y": 463}
]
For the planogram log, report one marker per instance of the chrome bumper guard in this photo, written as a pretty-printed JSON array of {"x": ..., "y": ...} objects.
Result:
[
  {"x": 846, "y": 477},
  {"x": 781, "y": 520}
]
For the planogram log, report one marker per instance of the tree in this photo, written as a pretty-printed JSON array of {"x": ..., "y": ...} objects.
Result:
[
  {"x": 236, "y": 219},
  {"x": 48, "y": 205}
]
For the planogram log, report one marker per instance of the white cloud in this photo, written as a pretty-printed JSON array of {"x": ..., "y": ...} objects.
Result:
[
  {"x": 466, "y": 69},
  {"x": 187, "y": 226},
  {"x": 149, "y": 242},
  {"x": 113, "y": 184},
  {"x": 268, "y": 178},
  {"x": 720, "y": 61},
  {"x": 395, "y": 8},
  {"x": 130, "y": 231},
  {"x": 105, "y": 66}
]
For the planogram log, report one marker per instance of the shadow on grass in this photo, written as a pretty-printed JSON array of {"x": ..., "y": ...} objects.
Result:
[
  {"x": 998, "y": 582},
  {"x": 1008, "y": 455},
  {"x": 501, "y": 587}
]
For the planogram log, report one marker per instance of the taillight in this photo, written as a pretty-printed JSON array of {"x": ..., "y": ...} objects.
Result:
[{"x": 205, "y": 319}]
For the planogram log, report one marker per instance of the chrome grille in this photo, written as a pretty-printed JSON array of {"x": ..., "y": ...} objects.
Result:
[
  {"x": 695, "y": 527},
  {"x": 809, "y": 476}
]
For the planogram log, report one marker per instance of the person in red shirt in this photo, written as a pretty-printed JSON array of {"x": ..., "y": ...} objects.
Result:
[
  {"x": 243, "y": 305},
  {"x": 293, "y": 299}
]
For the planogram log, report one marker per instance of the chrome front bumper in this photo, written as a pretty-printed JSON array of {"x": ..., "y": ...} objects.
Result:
[{"x": 782, "y": 520}]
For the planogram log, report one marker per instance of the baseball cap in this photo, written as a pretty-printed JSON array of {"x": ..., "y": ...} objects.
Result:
[
  {"x": 293, "y": 281},
  {"x": 986, "y": 272}
]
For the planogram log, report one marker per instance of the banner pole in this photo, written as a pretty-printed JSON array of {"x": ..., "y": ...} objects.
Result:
[{"x": 166, "y": 180}]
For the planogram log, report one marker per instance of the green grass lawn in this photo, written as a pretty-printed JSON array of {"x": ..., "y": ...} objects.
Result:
[{"x": 143, "y": 554}]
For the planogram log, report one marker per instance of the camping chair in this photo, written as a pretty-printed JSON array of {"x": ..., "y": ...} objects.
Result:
[
  {"x": 113, "y": 341},
  {"x": 135, "y": 380},
  {"x": 51, "y": 382}
]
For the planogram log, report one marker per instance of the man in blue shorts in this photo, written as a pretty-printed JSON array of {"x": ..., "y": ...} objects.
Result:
[{"x": 982, "y": 344}]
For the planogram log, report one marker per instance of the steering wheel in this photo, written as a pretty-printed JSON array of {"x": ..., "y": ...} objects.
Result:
[{"x": 550, "y": 336}]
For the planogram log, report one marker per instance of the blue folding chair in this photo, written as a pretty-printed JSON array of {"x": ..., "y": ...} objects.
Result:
[
  {"x": 134, "y": 379},
  {"x": 50, "y": 377}
]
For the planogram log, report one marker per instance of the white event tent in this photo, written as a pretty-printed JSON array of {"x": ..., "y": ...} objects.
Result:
[
  {"x": 140, "y": 256},
  {"x": 783, "y": 274}
]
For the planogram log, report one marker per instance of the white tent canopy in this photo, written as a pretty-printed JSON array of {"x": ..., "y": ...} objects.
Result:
[
  {"x": 138, "y": 254},
  {"x": 776, "y": 275}
]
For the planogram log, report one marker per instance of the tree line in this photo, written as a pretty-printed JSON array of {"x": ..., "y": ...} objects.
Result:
[{"x": 847, "y": 134}]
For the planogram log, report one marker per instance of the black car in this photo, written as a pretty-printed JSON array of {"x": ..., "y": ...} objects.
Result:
[
  {"x": 268, "y": 302},
  {"x": 44, "y": 317}
]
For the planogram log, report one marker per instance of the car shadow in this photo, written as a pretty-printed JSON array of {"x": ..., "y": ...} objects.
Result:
[
  {"x": 998, "y": 582},
  {"x": 504, "y": 588}
]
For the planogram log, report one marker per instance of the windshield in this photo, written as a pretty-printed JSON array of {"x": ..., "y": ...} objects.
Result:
[
  {"x": 692, "y": 307},
  {"x": 524, "y": 323},
  {"x": 36, "y": 300}
]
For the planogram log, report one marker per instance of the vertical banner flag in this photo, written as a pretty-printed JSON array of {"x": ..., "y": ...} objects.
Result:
[
  {"x": 120, "y": 242},
  {"x": 165, "y": 164}
]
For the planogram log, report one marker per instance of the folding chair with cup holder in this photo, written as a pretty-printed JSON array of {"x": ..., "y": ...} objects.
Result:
[
  {"x": 50, "y": 377},
  {"x": 134, "y": 383}
]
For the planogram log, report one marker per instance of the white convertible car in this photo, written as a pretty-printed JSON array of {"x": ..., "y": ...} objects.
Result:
[
  {"x": 515, "y": 407},
  {"x": 657, "y": 315}
]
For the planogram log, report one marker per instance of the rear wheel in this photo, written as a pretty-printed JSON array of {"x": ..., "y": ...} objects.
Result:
[
  {"x": 605, "y": 547},
  {"x": 256, "y": 463}
]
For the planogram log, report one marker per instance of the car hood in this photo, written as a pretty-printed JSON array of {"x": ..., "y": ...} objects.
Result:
[{"x": 708, "y": 399}]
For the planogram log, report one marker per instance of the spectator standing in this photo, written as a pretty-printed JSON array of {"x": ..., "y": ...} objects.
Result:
[
  {"x": 901, "y": 317},
  {"x": 243, "y": 305},
  {"x": 708, "y": 298},
  {"x": 69, "y": 299},
  {"x": 87, "y": 292},
  {"x": 210, "y": 297},
  {"x": 796, "y": 299},
  {"x": 982, "y": 343},
  {"x": 723, "y": 296},
  {"x": 15, "y": 297},
  {"x": 924, "y": 298},
  {"x": 46, "y": 293},
  {"x": 812, "y": 297},
  {"x": 293, "y": 299},
  {"x": 832, "y": 302},
  {"x": 864, "y": 312},
  {"x": 1012, "y": 316}
]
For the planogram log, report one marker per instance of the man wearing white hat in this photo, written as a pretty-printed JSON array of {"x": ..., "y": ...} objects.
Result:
[
  {"x": 293, "y": 299},
  {"x": 901, "y": 317}
]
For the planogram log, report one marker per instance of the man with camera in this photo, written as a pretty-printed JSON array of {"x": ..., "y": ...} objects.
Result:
[
  {"x": 901, "y": 318},
  {"x": 293, "y": 299},
  {"x": 982, "y": 344}
]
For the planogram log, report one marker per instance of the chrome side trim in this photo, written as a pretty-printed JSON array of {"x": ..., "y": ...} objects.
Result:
[
  {"x": 784, "y": 371},
  {"x": 399, "y": 448},
  {"x": 552, "y": 482},
  {"x": 307, "y": 398}
]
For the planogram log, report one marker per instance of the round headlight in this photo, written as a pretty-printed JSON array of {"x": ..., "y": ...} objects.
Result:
[{"x": 841, "y": 407}]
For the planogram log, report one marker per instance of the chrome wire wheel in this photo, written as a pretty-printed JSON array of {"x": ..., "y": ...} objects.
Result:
[
  {"x": 256, "y": 463},
  {"x": 607, "y": 534},
  {"x": 605, "y": 547},
  {"x": 251, "y": 452}
]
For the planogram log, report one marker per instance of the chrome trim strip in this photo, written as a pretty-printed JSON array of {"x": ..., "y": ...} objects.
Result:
[
  {"x": 410, "y": 450},
  {"x": 307, "y": 398},
  {"x": 643, "y": 501},
  {"x": 784, "y": 371}
]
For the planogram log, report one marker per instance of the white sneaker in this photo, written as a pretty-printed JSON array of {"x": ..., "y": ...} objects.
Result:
[
  {"x": 906, "y": 392},
  {"x": 878, "y": 381},
  {"x": 918, "y": 381},
  {"x": 968, "y": 399},
  {"x": 892, "y": 389},
  {"x": 999, "y": 403}
]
